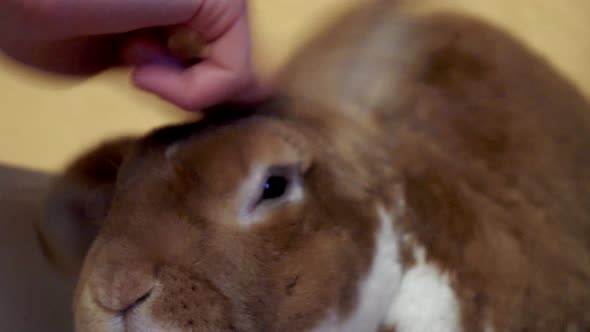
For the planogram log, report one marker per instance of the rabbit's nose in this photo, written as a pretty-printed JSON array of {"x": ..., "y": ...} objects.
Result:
[
  {"x": 137, "y": 302},
  {"x": 118, "y": 287}
]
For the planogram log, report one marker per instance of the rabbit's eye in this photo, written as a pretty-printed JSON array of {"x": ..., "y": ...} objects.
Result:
[
  {"x": 279, "y": 185},
  {"x": 275, "y": 186}
]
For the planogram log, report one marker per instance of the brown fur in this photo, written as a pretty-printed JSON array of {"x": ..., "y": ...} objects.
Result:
[
  {"x": 488, "y": 146},
  {"x": 500, "y": 188}
]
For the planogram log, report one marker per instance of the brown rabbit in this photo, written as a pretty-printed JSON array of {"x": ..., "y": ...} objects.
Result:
[{"x": 419, "y": 173}]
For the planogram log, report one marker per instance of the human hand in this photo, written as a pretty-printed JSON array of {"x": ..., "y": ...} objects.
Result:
[{"x": 83, "y": 37}]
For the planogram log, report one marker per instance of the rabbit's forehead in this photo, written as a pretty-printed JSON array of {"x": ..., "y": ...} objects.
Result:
[
  {"x": 230, "y": 151},
  {"x": 236, "y": 152}
]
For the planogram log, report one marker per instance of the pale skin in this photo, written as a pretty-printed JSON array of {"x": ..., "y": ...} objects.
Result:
[{"x": 85, "y": 37}]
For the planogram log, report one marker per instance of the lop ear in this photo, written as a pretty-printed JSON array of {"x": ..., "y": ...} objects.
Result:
[
  {"x": 356, "y": 64},
  {"x": 78, "y": 202}
]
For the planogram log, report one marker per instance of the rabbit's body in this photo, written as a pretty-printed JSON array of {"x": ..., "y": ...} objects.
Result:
[{"x": 427, "y": 173}]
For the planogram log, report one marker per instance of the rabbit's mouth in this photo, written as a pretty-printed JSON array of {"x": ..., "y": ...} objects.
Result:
[
  {"x": 133, "y": 319},
  {"x": 136, "y": 322}
]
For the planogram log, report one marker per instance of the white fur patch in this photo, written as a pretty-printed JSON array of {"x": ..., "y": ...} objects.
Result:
[
  {"x": 377, "y": 291},
  {"x": 425, "y": 302}
]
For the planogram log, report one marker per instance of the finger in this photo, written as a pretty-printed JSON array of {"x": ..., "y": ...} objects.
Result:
[
  {"x": 223, "y": 74},
  {"x": 78, "y": 56},
  {"x": 254, "y": 92},
  {"x": 73, "y": 18},
  {"x": 204, "y": 86},
  {"x": 147, "y": 48}
]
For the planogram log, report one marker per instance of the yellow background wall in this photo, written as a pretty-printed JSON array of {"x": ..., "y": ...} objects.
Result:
[{"x": 45, "y": 121}]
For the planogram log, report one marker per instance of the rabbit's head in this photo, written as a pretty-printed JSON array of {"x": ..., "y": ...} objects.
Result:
[{"x": 244, "y": 221}]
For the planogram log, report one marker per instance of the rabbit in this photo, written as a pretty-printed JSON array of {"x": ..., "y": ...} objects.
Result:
[{"x": 414, "y": 172}]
